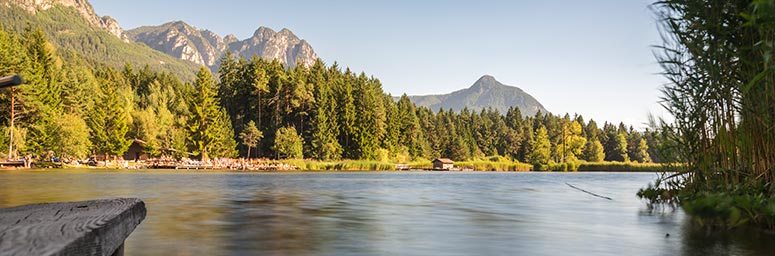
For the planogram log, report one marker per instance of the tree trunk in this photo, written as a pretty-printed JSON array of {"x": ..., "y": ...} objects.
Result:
[{"x": 10, "y": 140}]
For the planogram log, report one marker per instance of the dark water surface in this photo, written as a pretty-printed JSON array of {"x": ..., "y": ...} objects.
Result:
[{"x": 395, "y": 213}]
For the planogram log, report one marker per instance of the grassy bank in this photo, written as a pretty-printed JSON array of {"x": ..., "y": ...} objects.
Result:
[
  {"x": 476, "y": 165},
  {"x": 344, "y": 165},
  {"x": 620, "y": 167}
]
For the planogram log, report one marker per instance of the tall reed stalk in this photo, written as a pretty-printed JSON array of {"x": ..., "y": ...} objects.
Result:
[{"x": 717, "y": 56}]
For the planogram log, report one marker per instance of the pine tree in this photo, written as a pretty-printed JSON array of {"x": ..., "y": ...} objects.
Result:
[
  {"x": 593, "y": 151},
  {"x": 203, "y": 124},
  {"x": 225, "y": 145},
  {"x": 250, "y": 136},
  {"x": 325, "y": 128},
  {"x": 619, "y": 152},
  {"x": 288, "y": 143},
  {"x": 641, "y": 153},
  {"x": 392, "y": 127},
  {"x": 571, "y": 141},
  {"x": 108, "y": 121},
  {"x": 259, "y": 83},
  {"x": 410, "y": 131},
  {"x": 540, "y": 152},
  {"x": 347, "y": 114}
]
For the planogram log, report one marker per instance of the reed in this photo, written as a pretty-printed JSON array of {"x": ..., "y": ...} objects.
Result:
[
  {"x": 485, "y": 165},
  {"x": 344, "y": 165},
  {"x": 717, "y": 57}
]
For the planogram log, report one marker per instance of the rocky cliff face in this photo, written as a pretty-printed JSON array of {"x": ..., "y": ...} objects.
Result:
[
  {"x": 82, "y": 6},
  {"x": 181, "y": 40},
  {"x": 206, "y": 48},
  {"x": 283, "y": 46}
]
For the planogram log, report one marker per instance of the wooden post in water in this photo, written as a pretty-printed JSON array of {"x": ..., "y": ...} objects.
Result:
[{"x": 97, "y": 227}]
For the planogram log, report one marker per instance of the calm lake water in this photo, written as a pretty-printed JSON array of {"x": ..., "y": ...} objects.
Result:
[{"x": 394, "y": 213}]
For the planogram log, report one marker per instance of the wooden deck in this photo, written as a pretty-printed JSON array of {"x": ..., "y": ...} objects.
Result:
[
  {"x": 97, "y": 227},
  {"x": 11, "y": 163}
]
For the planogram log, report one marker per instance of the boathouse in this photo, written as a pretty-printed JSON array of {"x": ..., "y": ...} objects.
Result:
[
  {"x": 442, "y": 164},
  {"x": 136, "y": 151}
]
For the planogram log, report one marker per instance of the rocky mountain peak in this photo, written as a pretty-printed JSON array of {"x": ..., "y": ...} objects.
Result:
[
  {"x": 83, "y": 7},
  {"x": 286, "y": 32},
  {"x": 283, "y": 46},
  {"x": 486, "y": 82},
  {"x": 263, "y": 32},
  {"x": 230, "y": 38},
  {"x": 205, "y": 47}
]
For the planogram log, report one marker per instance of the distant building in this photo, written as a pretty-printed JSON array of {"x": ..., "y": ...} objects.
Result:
[
  {"x": 443, "y": 164},
  {"x": 136, "y": 151}
]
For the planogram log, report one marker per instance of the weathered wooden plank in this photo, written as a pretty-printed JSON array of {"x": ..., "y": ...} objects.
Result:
[{"x": 97, "y": 227}]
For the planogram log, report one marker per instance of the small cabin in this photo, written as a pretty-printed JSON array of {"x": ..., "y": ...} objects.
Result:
[
  {"x": 136, "y": 151},
  {"x": 442, "y": 164}
]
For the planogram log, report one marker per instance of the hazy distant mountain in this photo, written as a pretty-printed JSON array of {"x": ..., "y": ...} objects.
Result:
[
  {"x": 204, "y": 47},
  {"x": 485, "y": 92}
]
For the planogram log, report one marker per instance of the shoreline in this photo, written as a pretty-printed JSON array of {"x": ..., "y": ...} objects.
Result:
[{"x": 281, "y": 166}]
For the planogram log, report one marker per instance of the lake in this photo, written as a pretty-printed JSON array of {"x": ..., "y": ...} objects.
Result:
[{"x": 387, "y": 213}]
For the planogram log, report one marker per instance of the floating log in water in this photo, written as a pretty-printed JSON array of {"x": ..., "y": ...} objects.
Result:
[{"x": 604, "y": 197}]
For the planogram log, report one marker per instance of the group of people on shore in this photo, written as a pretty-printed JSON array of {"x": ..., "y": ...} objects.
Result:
[
  {"x": 215, "y": 163},
  {"x": 163, "y": 162}
]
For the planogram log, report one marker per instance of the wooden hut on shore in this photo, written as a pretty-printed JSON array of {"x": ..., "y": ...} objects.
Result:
[
  {"x": 136, "y": 151},
  {"x": 443, "y": 164}
]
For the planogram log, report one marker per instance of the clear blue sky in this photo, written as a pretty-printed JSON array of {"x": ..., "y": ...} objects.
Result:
[{"x": 588, "y": 57}]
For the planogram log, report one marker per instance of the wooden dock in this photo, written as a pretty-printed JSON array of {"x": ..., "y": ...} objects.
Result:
[
  {"x": 97, "y": 227},
  {"x": 11, "y": 163}
]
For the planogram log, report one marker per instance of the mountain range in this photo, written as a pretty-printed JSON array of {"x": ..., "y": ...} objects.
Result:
[
  {"x": 177, "y": 47},
  {"x": 205, "y": 47},
  {"x": 484, "y": 93},
  {"x": 72, "y": 25}
]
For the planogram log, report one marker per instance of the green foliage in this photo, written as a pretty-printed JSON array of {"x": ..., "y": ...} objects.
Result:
[
  {"x": 345, "y": 165},
  {"x": 336, "y": 113},
  {"x": 717, "y": 57},
  {"x": 621, "y": 167},
  {"x": 540, "y": 149},
  {"x": 224, "y": 144},
  {"x": 108, "y": 121},
  {"x": 288, "y": 143},
  {"x": 499, "y": 165},
  {"x": 325, "y": 127},
  {"x": 71, "y": 135},
  {"x": 593, "y": 151},
  {"x": 250, "y": 136},
  {"x": 619, "y": 151},
  {"x": 572, "y": 142},
  {"x": 77, "y": 39},
  {"x": 207, "y": 122}
]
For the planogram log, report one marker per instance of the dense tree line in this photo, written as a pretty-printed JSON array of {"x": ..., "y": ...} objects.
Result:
[
  {"x": 339, "y": 114},
  {"x": 260, "y": 108}
]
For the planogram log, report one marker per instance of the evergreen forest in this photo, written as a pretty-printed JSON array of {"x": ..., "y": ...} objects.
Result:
[{"x": 258, "y": 108}]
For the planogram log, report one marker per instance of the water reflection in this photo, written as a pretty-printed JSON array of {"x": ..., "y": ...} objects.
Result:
[{"x": 387, "y": 213}]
